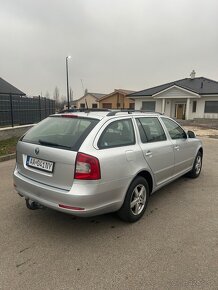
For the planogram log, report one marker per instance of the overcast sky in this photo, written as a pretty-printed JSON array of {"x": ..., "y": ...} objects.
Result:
[{"x": 128, "y": 44}]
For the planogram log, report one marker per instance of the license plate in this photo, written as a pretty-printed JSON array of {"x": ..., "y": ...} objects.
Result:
[{"x": 40, "y": 164}]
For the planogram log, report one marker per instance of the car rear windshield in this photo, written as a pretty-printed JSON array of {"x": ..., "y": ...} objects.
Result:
[{"x": 61, "y": 132}]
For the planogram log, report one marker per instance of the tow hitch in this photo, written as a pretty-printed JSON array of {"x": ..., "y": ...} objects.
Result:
[{"x": 30, "y": 204}]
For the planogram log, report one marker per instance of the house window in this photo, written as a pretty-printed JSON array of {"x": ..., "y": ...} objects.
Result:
[
  {"x": 107, "y": 106},
  {"x": 148, "y": 106},
  {"x": 132, "y": 106},
  {"x": 82, "y": 106},
  {"x": 194, "y": 106},
  {"x": 94, "y": 106},
  {"x": 211, "y": 107}
]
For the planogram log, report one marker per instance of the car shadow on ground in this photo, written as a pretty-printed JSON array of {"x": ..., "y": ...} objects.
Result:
[{"x": 58, "y": 224}]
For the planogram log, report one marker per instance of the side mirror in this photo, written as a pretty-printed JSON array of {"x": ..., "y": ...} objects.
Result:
[{"x": 191, "y": 134}]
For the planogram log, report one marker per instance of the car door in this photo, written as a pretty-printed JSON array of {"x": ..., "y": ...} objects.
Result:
[
  {"x": 157, "y": 149},
  {"x": 117, "y": 150},
  {"x": 184, "y": 149}
]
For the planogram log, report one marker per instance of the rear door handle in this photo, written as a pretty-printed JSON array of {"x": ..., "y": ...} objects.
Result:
[
  {"x": 176, "y": 147},
  {"x": 148, "y": 153}
]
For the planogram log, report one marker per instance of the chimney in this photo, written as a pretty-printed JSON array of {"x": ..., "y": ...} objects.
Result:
[{"x": 192, "y": 75}]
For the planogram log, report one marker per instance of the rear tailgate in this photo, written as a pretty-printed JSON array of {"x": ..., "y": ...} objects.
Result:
[
  {"x": 47, "y": 152},
  {"x": 51, "y": 166}
]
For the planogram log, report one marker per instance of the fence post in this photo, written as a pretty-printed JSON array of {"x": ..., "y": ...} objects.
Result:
[
  {"x": 40, "y": 115},
  {"x": 45, "y": 108},
  {"x": 49, "y": 107},
  {"x": 12, "y": 115}
]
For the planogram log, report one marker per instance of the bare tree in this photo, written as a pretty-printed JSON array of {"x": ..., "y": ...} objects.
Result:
[
  {"x": 47, "y": 95},
  {"x": 56, "y": 95}
]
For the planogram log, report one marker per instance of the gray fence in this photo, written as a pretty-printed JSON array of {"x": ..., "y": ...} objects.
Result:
[{"x": 17, "y": 110}]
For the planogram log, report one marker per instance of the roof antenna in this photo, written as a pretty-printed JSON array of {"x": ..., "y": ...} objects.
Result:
[
  {"x": 86, "y": 105},
  {"x": 82, "y": 86}
]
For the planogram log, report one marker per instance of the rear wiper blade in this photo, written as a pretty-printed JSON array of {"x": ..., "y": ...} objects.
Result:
[{"x": 47, "y": 143}]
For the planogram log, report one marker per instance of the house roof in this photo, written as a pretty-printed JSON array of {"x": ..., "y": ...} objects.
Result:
[
  {"x": 124, "y": 92},
  {"x": 200, "y": 85},
  {"x": 6, "y": 88},
  {"x": 97, "y": 95}
]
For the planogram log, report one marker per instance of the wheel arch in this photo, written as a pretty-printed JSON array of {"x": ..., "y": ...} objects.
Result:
[
  {"x": 201, "y": 150},
  {"x": 147, "y": 175}
]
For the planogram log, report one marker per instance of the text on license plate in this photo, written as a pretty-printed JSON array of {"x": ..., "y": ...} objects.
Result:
[{"x": 40, "y": 164}]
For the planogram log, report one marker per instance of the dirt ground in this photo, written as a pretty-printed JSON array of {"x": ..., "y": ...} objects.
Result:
[{"x": 202, "y": 132}]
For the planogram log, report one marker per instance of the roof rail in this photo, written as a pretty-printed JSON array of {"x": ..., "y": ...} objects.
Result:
[
  {"x": 113, "y": 113},
  {"x": 84, "y": 110}
]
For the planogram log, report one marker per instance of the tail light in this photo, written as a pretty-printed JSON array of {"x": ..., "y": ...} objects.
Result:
[{"x": 87, "y": 167}]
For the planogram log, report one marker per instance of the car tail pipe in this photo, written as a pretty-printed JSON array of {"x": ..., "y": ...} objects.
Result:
[{"x": 30, "y": 204}]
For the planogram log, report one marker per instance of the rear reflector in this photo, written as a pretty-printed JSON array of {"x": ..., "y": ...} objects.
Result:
[
  {"x": 87, "y": 167},
  {"x": 70, "y": 207}
]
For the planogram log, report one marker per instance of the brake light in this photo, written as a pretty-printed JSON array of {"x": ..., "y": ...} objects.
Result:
[
  {"x": 69, "y": 116},
  {"x": 87, "y": 167}
]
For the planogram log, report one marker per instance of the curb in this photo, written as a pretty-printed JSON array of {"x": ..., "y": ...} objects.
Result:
[{"x": 7, "y": 157}]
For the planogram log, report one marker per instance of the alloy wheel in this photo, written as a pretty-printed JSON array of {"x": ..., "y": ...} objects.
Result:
[
  {"x": 138, "y": 199},
  {"x": 198, "y": 164}
]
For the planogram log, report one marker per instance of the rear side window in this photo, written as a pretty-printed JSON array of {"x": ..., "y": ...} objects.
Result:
[
  {"x": 150, "y": 130},
  {"x": 118, "y": 133},
  {"x": 175, "y": 131},
  {"x": 61, "y": 132}
]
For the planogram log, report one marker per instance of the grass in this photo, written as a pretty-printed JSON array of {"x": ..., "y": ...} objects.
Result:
[{"x": 8, "y": 146}]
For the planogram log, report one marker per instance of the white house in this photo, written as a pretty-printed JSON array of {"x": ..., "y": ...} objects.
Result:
[{"x": 189, "y": 98}]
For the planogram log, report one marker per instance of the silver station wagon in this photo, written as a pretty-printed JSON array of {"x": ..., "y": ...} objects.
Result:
[{"x": 95, "y": 162}]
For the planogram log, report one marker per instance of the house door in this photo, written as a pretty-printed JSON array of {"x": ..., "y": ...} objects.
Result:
[{"x": 180, "y": 111}]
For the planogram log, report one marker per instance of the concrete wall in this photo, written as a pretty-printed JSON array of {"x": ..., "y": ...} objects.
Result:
[{"x": 7, "y": 133}]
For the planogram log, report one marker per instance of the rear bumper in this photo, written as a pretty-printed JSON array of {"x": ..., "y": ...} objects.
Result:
[{"x": 93, "y": 198}]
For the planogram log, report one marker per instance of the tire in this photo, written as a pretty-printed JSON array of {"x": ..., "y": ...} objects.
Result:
[
  {"x": 196, "y": 169},
  {"x": 136, "y": 200}
]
